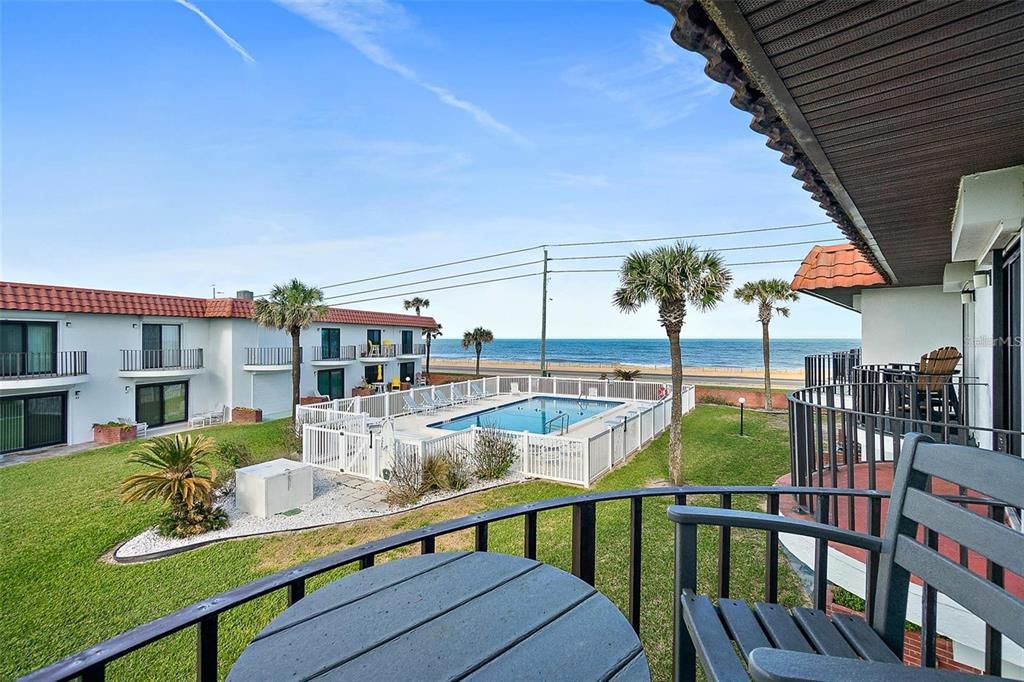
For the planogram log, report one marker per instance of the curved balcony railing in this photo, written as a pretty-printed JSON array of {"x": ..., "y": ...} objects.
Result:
[
  {"x": 830, "y": 368},
  {"x": 205, "y": 616}
]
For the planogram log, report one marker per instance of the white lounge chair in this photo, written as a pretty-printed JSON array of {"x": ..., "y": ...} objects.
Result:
[
  {"x": 140, "y": 427},
  {"x": 458, "y": 396},
  {"x": 411, "y": 404},
  {"x": 425, "y": 401},
  {"x": 477, "y": 393}
]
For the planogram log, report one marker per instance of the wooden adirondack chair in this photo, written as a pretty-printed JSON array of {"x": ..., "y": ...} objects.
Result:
[
  {"x": 935, "y": 398},
  {"x": 805, "y": 644}
]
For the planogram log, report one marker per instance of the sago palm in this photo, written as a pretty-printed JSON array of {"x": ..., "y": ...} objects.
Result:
[
  {"x": 767, "y": 294},
  {"x": 416, "y": 304},
  {"x": 672, "y": 277},
  {"x": 182, "y": 475},
  {"x": 476, "y": 339},
  {"x": 429, "y": 334},
  {"x": 292, "y": 306}
]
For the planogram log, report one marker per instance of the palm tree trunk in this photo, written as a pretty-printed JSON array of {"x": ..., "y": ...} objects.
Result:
[
  {"x": 675, "y": 436},
  {"x": 479, "y": 349},
  {"x": 296, "y": 369},
  {"x": 428, "y": 354},
  {"x": 767, "y": 366}
]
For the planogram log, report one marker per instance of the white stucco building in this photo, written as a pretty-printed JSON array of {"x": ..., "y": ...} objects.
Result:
[{"x": 71, "y": 358}]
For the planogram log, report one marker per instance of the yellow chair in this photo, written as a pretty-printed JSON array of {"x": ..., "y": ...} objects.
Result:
[{"x": 396, "y": 384}]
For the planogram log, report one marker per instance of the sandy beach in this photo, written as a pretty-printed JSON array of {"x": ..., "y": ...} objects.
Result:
[{"x": 698, "y": 375}]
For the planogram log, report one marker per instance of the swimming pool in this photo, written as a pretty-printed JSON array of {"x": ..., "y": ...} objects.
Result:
[{"x": 530, "y": 415}]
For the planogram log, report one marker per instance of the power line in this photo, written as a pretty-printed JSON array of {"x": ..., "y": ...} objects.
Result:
[
  {"x": 573, "y": 244},
  {"x": 730, "y": 265},
  {"x": 728, "y": 248},
  {"x": 691, "y": 236},
  {"x": 433, "y": 279},
  {"x": 451, "y": 286}
]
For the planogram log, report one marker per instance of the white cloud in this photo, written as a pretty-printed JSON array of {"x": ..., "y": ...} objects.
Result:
[
  {"x": 360, "y": 25},
  {"x": 232, "y": 43},
  {"x": 656, "y": 86}
]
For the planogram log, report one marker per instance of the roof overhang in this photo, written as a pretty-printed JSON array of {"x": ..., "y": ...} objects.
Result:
[{"x": 881, "y": 108}]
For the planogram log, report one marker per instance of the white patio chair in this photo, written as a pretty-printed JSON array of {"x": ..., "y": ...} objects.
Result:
[{"x": 140, "y": 427}]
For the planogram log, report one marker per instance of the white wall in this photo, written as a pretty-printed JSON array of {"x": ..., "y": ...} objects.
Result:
[{"x": 902, "y": 324}]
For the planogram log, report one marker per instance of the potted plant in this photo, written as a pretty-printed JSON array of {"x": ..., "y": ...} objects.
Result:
[
  {"x": 362, "y": 390},
  {"x": 313, "y": 399},
  {"x": 246, "y": 415},
  {"x": 113, "y": 432}
]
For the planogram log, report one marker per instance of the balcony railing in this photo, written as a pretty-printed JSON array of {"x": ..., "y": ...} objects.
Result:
[
  {"x": 280, "y": 355},
  {"x": 830, "y": 368},
  {"x": 321, "y": 353},
  {"x": 169, "y": 359},
  {"x": 205, "y": 616},
  {"x": 412, "y": 349},
  {"x": 66, "y": 363},
  {"x": 388, "y": 350}
]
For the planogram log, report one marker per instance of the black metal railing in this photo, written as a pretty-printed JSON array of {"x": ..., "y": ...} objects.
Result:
[
  {"x": 169, "y": 359},
  {"x": 830, "y": 368},
  {"x": 204, "y": 616},
  {"x": 384, "y": 350},
  {"x": 321, "y": 353},
  {"x": 413, "y": 349},
  {"x": 864, "y": 424},
  {"x": 279, "y": 355},
  {"x": 65, "y": 363}
]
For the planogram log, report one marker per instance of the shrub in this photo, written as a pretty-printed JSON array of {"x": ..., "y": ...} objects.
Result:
[
  {"x": 458, "y": 471},
  {"x": 181, "y": 473},
  {"x": 200, "y": 518},
  {"x": 494, "y": 454},
  {"x": 405, "y": 483},
  {"x": 626, "y": 374},
  {"x": 235, "y": 455},
  {"x": 434, "y": 473},
  {"x": 714, "y": 399}
]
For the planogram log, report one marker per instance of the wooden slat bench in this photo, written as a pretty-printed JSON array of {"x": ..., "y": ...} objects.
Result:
[{"x": 775, "y": 643}]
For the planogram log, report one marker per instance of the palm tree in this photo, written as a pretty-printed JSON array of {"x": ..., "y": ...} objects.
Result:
[
  {"x": 178, "y": 477},
  {"x": 416, "y": 304},
  {"x": 626, "y": 374},
  {"x": 292, "y": 307},
  {"x": 767, "y": 294},
  {"x": 429, "y": 334},
  {"x": 477, "y": 338},
  {"x": 672, "y": 277}
]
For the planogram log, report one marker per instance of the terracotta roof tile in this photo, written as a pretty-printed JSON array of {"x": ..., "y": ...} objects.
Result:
[
  {"x": 833, "y": 267},
  {"x": 43, "y": 297}
]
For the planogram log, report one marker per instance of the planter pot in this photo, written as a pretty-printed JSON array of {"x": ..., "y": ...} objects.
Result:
[
  {"x": 362, "y": 392},
  {"x": 107, "y": 433},
  {"x": 313, "y": 399},
  {"x": 246, "y": 415},
  {"x": 406, "y": 385}
]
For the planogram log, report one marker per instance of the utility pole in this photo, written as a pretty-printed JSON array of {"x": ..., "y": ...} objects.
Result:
[{"x": 544, "y": 316}]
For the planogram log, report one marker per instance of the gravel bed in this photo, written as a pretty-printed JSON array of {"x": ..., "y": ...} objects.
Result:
[{"x": 335, "y": 500}]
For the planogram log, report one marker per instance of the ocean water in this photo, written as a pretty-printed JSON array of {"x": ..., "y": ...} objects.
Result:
[{"x": 786, "y": 353}]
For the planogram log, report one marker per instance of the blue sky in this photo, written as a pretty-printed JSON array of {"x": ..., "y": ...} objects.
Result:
[{"x": 146, "y": 148}]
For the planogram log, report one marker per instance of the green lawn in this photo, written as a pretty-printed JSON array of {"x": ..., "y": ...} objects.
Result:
[{"x": 60, "y": 516}]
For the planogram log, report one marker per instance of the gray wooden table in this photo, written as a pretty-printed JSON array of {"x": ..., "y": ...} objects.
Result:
[{"x": 449, "y": 616}]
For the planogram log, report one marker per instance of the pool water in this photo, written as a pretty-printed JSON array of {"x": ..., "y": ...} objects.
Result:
[{"x": 530, "y": 415}]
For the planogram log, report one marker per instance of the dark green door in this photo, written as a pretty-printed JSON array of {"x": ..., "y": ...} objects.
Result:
[
  {"x": 407, "y": 371},
  {"x": 330, "y": 345},
  {"x": 158, "y": 404},
  {"x": 331, "y": 382},
  {"x": 406, "y": 344},
  {"x": 33, "y": 421}
]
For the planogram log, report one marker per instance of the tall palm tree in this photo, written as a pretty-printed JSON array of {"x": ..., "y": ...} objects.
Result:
[
  {"x": 767, "y": 294},
  {"x": 182, "y": 475},
  {"x": 429, "y": 334},
  {"x": 416, "y": 304},
  {"x": 292, "y": 306},
  {"x": 672, "y": 277},
  {"x": 476, "y": 339}
]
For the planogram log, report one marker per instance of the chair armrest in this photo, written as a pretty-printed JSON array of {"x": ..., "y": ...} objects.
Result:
[
  {"x": 778, "y": 665},
  {"x": 758, "y": 520}
]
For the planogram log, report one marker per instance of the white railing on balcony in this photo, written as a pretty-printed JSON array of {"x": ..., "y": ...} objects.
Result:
[{"x": 579, "y": 461}]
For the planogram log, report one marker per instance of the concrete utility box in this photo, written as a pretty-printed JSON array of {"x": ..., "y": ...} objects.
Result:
[{"x": 273, "y": 487}]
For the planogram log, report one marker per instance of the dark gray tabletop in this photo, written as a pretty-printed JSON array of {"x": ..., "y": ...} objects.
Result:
[{"x": 449, "y": 616}]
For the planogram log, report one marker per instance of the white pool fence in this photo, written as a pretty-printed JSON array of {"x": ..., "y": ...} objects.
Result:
[{"x": 336, "y": 434}]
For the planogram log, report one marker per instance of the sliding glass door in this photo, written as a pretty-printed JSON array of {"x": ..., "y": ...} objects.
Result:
[
  {"x": 406, "y": 342},
  {"x": 33, "y": 421},
  {"x": 161, "y": 345},
  {"x": 331, "y": 382},
  {"x": 28, "y": 348},
  {"x": 159, "y": 404},
  {"x": 330, "y": 344}
]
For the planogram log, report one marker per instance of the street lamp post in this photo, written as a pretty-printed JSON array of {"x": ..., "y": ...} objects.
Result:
[{"x": 742, "y": 402}]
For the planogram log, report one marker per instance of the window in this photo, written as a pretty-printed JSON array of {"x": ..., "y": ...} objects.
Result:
[
  {"x": 330, "y": 344},
  {"x": 374, "y": 373},
  {"x": 407, "y": 371},
  {"x": 28, "y": 348},
  {"x": 159, "y": 404},
  {"x": 331, "y": 382},
  {"x": 373, "y": 337},
  {"x": 161, "y": 346},
  {"x": 1006, "y": 369},
  {"x": 406, "y": 343},
  {"x": 33, "y": 421}
]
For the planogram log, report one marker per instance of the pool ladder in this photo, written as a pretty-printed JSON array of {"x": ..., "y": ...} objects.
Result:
[{"x": 563, "y": 418}]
